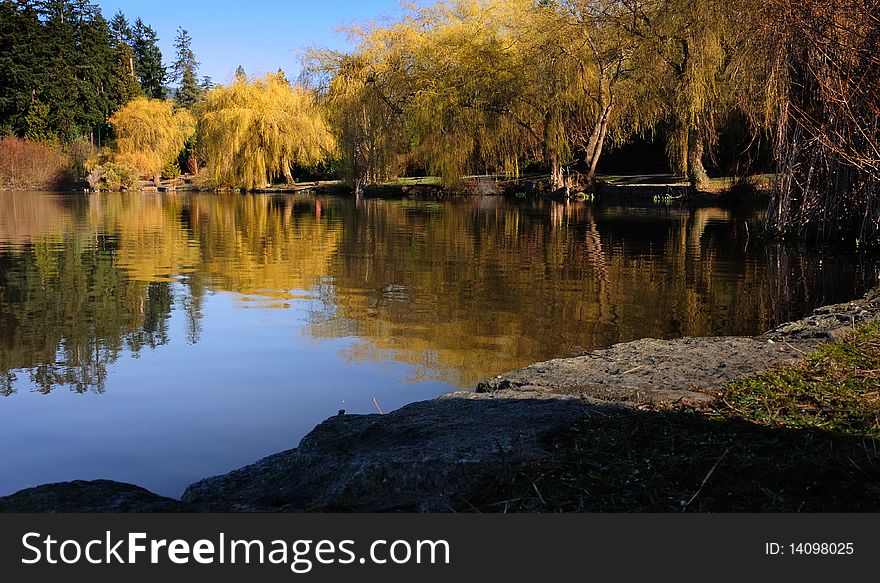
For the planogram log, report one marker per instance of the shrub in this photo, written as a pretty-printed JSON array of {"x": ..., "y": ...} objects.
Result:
[
  {"x": 113, "y": 176},
  {"x": 171, "y": 171},
  {"x": 28, "y": 165},
  {"x": 81, "y": 157},
  {"x": 204, "y": 180}
]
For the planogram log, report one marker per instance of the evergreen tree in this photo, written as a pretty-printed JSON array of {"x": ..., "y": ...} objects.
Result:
[
  {"x": 37, "y": 122},
  {"x": 125, "y": 85},
  {"x": 76, "y": 69},
  {"x": 184, "y": 71},
  {"x": 148, "y": 60},
  {"x": 21, "y": 49},
  {"x": 95, "y": 65},
  {"x": 120, "y": 30}
]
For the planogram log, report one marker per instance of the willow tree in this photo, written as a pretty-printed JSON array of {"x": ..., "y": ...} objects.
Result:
[
  {"x": 815, "y": 80},
  {"x": 467, "y": 115},
  {"x": 685, "y": 49},
  {"x": 498, "y": 83},
  {"x": 366, "y": 93},
  {"x": 579, "y": 78},
  {"x": 255, "y": 130},
  {"x": 150, "y": 133}
]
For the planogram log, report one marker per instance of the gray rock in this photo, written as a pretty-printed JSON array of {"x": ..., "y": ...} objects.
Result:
[
  {"x": 652, "y": 371},
  {"x": 685, "y": 370},
  {"x": 91, "y": 496},
  {"x": 419, "y": 458},
  {"x": 831, "y": 322}
]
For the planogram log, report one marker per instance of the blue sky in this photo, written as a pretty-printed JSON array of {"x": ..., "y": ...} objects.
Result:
[{"x": 261, "y": 35}]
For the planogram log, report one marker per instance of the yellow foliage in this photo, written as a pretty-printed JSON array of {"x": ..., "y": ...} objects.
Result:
[
  {"x": 254, "y": 131},
  {"x": 473, "y": 86},
  {"x": 150, "y": 133}
]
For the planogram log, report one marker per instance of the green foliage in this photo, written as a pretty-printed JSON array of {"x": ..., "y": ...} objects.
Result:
[
  {"x": 184, "y": 71},
  {"x": 37, "y": 123},
  {"x": 62, "y": 54},
  {"x": 190, "y": 157},
  {"x": 80, "y": 152},
  {"x": 171, "y": 171},
  {"x": 113, "y": 176},
  {"x": 834, "y": 388},
  {"x": 148, "y": 60},
  {"x": 120, "y": 30},
  {"x": 125, "y": 85}
]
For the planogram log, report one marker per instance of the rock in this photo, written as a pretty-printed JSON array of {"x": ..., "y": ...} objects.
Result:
[
  {"x": 422, "y": 457},
  {"x": 685, "y": 370},
  {"x": 652, "y": 371},
  {"x": 91, "y": 496},
  {"x": 831, "y": 322}
]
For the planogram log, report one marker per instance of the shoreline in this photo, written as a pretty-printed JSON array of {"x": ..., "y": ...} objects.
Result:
[
  {"x": 439, "y": 455},
  {"x": 427, "y": 188}
]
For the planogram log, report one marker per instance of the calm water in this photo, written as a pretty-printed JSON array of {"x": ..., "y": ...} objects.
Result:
[{"x": 160, "y": 339}]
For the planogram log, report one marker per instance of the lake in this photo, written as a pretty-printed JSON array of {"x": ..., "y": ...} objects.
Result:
[{"x": 162, "y": 338}]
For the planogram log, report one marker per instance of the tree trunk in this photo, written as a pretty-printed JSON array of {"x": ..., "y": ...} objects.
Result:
[
  {"x": 556, "y": 179},
  {"x": 696, "y": 172},
  {"x": 597, "y": 141},
  {"x": 551, "y": 152},
  {"x": 192, "y": 163},
  {"x": 288, "y": 176}
]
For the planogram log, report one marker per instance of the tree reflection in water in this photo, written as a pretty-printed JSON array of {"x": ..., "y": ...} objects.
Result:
[{"x": 457, "y": 290}]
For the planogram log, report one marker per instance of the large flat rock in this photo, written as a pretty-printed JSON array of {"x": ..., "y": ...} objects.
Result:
[
  {"x": 651, "y": 371},
  {"x": 418, "y": 458},
  {"x": 684, "y": 370}
]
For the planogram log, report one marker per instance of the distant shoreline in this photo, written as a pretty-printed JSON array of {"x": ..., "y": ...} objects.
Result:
[{"x": 722, "y": 190}]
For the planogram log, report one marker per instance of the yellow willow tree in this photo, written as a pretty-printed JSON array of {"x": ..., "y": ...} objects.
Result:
[
  {"x": 255, "y": 130},
  {"x": 686, "y": 48},
  {"x": 150, "y": 133},
  {"x": 443, "y": 87},
  {"x": 599, "y": 64},
  {"x": 465, "y": 117},
  {"x": 559, "y": 94},
  {"x": 366, "y": 93},
  {"x": 514, "y": 79},
  {"x": 467, "y": 86}
]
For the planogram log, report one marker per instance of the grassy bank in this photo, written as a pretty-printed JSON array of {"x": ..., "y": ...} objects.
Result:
[{"x": 802, "y": 438}]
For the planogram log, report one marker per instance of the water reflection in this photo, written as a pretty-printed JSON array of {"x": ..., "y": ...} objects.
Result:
[
  {"x": 192, "y": 334},
  {"x": 457, "y": 290}
]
